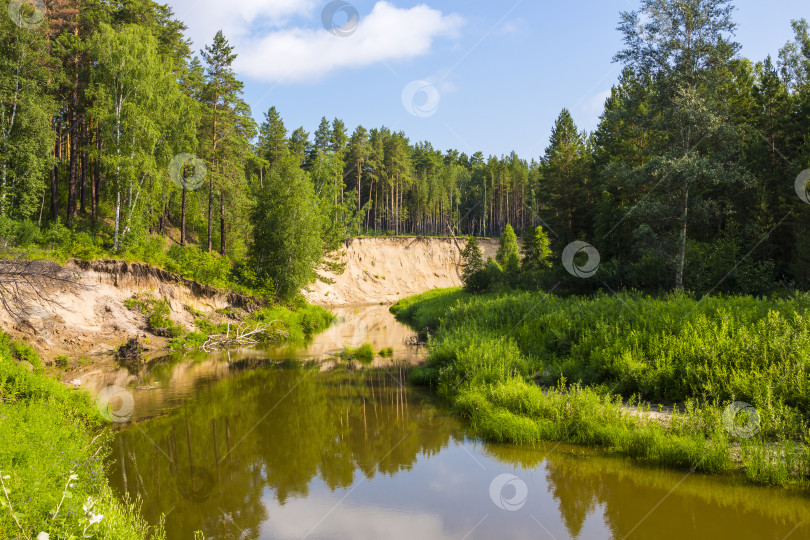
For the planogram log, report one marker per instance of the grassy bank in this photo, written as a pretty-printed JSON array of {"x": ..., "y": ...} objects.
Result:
[
  {"x": 524, "y": 367},
  {"x": 51, "y": 458}
]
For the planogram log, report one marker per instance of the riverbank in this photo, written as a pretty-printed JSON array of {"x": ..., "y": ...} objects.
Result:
[
  {"x": 524, "y": 367},
  {"x": 54, "y": 444},
  {"x": 90, "y": 320},
  {"x": 52, "y": 458},
  {"x": 384, "y": 270}
]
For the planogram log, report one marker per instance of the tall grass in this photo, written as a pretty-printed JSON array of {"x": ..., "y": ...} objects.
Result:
[
  {"x": 491, "y": 355},
  {"x": 51, "y": 459}
]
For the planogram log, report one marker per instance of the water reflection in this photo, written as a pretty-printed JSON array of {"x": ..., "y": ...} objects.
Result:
[
  {"x": 296, "y": 452},
  {"x": 255, "y": 446}
]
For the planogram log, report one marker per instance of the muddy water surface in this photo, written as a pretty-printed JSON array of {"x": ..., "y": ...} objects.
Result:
[{"x": 258, "y": 446}]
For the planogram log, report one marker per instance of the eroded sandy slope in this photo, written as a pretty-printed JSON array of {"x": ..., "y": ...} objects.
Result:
[{"x": 387, "y": 269}]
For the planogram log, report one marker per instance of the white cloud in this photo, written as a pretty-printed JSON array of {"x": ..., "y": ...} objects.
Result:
[
  {"x": 236, "y": 17},
  {"x": 303, "y": 54}
]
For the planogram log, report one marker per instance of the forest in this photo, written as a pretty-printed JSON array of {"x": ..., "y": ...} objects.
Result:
[{"x": 118, "y": 139}]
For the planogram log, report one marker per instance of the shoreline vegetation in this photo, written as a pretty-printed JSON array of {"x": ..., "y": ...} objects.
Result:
[
  {"x": 54, "y": 444},
  {"x": 524, "y": 367},
  {"x": 52, "y": 459}
]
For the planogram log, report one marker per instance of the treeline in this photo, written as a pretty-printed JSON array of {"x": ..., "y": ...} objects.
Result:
[
  {"x": 114, "y": 137},
  {"x": 689, "y": 176}
]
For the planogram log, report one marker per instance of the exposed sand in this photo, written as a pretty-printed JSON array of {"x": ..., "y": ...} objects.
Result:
[
  {"x": 92, "y": 321},
  {"x": 383, "y": 270}
]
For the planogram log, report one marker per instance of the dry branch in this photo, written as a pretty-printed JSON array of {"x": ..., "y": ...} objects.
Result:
[{"x": 244, "y": 335}]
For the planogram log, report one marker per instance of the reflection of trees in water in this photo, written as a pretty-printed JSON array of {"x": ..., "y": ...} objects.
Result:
[
  {"x": 208, "y": 464},
  {"x": 696, "y": 507}
]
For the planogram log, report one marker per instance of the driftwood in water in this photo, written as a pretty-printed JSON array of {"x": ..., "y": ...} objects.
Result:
[{"x": 244, "y": 334}]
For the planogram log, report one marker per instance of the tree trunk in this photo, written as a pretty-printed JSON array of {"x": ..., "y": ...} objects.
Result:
[
  {"x": 97, "y": 179},
  {"x": 84, "y": 158},
  {"x": 210, "y": 213},
  {"x": 222, "y": 244},
  {"x": 55, "y": 178},
  {"x": 183, "y": 216},
  {"x": 681, "y": 262},
  {"x": 74, "y": 156}
]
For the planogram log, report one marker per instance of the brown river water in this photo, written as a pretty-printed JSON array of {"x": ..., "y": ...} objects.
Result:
[{"x": 266, "y": 444}]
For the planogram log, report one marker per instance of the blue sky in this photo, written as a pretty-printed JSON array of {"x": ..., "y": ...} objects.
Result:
[{"x": 493, "y": 75}]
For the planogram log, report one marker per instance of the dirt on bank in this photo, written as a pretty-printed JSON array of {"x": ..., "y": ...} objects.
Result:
[
  {"x": 388, "y": 269},
  {"x": 90, "y": 321}
]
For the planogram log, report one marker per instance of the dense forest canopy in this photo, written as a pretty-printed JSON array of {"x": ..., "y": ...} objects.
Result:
[{"x": 687, "y": 182}]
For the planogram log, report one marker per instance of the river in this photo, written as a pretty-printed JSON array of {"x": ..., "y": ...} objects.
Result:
[{"x": 292, "y": 444}]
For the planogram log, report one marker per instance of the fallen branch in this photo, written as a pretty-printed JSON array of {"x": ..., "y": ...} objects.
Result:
[{"x": 244, "y": 335}]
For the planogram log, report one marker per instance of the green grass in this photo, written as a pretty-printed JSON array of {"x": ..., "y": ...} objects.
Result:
[
  {"x": 524, "y": 367},
  {"x": 363, "y": 354},
  {"x": 52, "y": 459}
]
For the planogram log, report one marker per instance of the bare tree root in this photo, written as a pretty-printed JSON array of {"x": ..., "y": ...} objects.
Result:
[{"x": 26, "y": 283}]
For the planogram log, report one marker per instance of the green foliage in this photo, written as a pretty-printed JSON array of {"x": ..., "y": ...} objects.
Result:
[
  {"x": 286, "y": 241},
  {"x": 160, "y": 322},
  {"x": 472, "y": 261},
  {"x": 38, "y": 416},
  {"x": 363, "y": 354},
  {"x": 536, "y": 250},
  {"x": 196, "y": 264},
  {"x": 158, "y": 312},
  {"x": 488, "y": 352},
  {"x": 508, "y": 255}
]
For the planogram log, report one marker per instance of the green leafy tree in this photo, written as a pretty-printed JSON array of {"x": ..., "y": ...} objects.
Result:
[
  {"x": 286, "y": 245},
  {"x": 25, "y": 110},
  {"x": 685, "y": 47},
  {"x": 136, "y": 101}
]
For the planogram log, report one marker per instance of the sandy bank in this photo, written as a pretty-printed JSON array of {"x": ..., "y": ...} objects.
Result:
[{"x": 387, "y": 269}]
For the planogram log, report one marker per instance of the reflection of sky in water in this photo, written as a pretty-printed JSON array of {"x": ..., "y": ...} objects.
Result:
[
  {"x": 445, "y": 496},
  {"x": 290, "y": 434}
]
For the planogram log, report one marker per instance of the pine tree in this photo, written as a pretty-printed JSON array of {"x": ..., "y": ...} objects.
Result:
[
  {"x": 357, "y": 156},
  {"x": 472, "y": 260},
  {"x": 508, "y": 255},
  {"x": 565, "y": 169},
  {"x": 299, "y": 144},
  {"x": 225, "y": 131},
  {"x": 536, "y": 250},
  {"x": 272, "y": 137}
]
